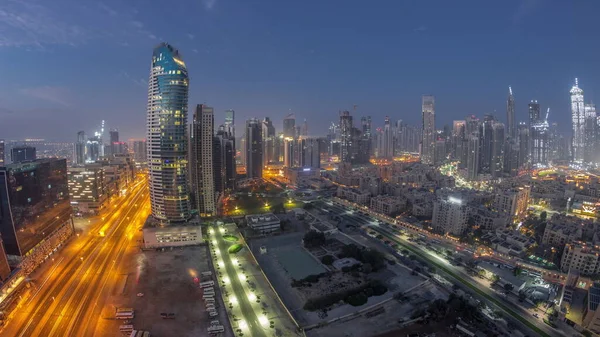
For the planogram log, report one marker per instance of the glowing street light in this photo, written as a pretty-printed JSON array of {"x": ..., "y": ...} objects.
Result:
[{"x": 262, "y": 319}]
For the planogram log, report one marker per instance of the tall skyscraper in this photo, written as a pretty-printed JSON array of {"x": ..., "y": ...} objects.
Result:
[
  {"x": 93, "y": 149},
  {"x": 346, "y": 144},
  {"x": 474, "y": 146},
  {"x": 578, "y": 119},
  {"x": 590, "y": 153},
  {"x": 486, "y": 134},
  {"x": 166, "y": 135},
  {"x": 309, "y": 153},
  {"x": 80, "y": 148},
  {"x": 2, "y": 149},
  {"x": 224, "y": 161},
  {"x": 254, "y": 148},
  {"x": 523, "y": 145},
  {"x": 304, "y": 131},
  {"x": 289, "y": 152},
  {"x": 510, "y": 115},
  {"x": 459, "y": 137},
  {"x": 367, "y": 137},
  {"x": 268, "y": 132},
  {"x": 230, "y": 122},
  {"x": 498, "y": 138},
  {"x": 539, "y": 140},
  {"x": 140, "y": 151},
  {"x": 201, "y": 160},
  {"x": 20, "y": 154},
  {"x": 388, "y": 140},
  {"x": 428, "y": 140},
  {"x": 289, "y": 126}
]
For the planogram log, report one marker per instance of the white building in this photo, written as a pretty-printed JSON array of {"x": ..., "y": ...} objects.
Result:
[
  {"x": 578, "y": 119},
  {"x": 450, "y": 216},
  {"x": 264, "y": 223},
  {"x": 387, "y": 204},
  {"x": 514, "y": 201},
  {"x": 354, "y": 195},
  {"x": 581, "y": 257}
]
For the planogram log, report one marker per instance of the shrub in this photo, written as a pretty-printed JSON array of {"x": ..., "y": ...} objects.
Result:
[{"x": 327, "y": 260}]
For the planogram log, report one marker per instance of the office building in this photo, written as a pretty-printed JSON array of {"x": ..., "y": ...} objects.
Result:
[
  {"x": 94, "y": 149},
  {"x": 540, "y": 142},
  {"x": 309, "y": 153},
  {"x": 486, "y": 134},
  {"x": 80, "y": 149},
  {"x": 428, "y": 130},
  {"x": 224, "y": 161},
  {"x": 387, "y": 149},
  {"x": 254, "y": 149},
  {"x": 289, "y": 152},
  {"x": 497, "y": 159},
  {"x": 289, "y": 126},
  {"x": 88, "y": 190},
  {"x": 523, "y": 135},
  {"x": 473, "y": 151},
  {"x": 578, "y": 120},
  {"x": 2, "y": 151},
  {"x": 263, "y": 223},
  {"x": 19, "y": 154},
  {"x": 591, "y": 128},
  {"x": 450, "y": 215},
  {"x": 5, "y": 271},
  {"x": 459, "y": 137},
  {"x": 201, "y": 160},
  {"x": 140, "y": 151},
  {"x": 511, "y": 122},
  {"x": 34, "y": 203},
  {"x": 268, "y": 132},
  {"x": 230, "y": 122},
  {"x": 346, "y": 139},
  {"x": 167, "y": 137}
]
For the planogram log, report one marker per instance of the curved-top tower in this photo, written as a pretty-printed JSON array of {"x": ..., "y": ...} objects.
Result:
[{"x": 166, "y": 135}]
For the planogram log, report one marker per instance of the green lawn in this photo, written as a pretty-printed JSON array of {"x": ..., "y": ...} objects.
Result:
[
  {"x": 230, "y": 238},
  {"x": 234, "y": 249},
  {"x": 472, "y": 287}
]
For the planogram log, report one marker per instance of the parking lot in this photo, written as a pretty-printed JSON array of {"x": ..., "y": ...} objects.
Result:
[{"x": 163, "y": 282}]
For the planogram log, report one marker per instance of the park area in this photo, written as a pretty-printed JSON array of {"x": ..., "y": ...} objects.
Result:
[{"x": 259, "y": 198}]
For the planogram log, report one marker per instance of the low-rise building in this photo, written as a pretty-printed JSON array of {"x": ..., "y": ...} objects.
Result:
[
  {"x": 387, "y": 204},
  {"x": 264, "y": 223},
  {"x": 488, "y": 219},
  {"x": 581, "y": 257},
  {"x": 559, "y": 234},
  {"x": 300, "y": 175},
  {"x": 354, "y": 195},
  {"x": 156, "y": 235}
]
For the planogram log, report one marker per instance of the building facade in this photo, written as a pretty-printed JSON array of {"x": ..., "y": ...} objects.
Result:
[
  {"x": 578, "y": 121},
  {"x": 254, "y": 149},
  {"x": 167, "y": 136},
  {"x": 201, "y": 160},
  {"x": 88, "y": 190},
  {"x": 428, "y": 129}
]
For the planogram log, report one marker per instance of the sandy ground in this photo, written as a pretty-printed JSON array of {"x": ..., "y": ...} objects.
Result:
[{"x": 167, "y": 281}]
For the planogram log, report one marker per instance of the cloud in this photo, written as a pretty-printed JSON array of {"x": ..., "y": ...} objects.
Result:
[
  {"x": 420, "y": 29},
  {"x": 209, "y": 4},
  {"x": 6, "y": 111},
  {"x": 138, "y": 82},
  {"x": 137, "y": 24},
  {"x": 27, "y": 23},
  {"x": 190, "y": 36},
  {"x": 53, "y": 94},
  {"x": 525, "y": 8},
  {"x": 107, "y": 9},
  {"x": 195, "y": 51}
]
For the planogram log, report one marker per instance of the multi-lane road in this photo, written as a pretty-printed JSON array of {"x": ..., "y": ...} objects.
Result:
[
  {"x": 68, "y": 299},
  {"x": 520, "y": 316}
]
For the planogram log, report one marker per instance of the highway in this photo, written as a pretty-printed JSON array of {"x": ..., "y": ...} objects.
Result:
[
  {"x": 522, "y": 317},
  {"x": 68, "y": 300}
]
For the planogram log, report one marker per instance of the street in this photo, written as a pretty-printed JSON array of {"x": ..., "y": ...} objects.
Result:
[{"x": 68, "y": 300}]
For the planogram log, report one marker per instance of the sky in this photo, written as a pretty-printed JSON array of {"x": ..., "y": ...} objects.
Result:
[{"x": 65, "y": 65}]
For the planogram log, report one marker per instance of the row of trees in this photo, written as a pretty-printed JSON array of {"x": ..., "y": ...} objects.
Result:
[
  {"x": 367, "y": 256},
  {"x": 354, "y": 297}
]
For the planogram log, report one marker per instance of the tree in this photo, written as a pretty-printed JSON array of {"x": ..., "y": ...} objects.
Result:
[
  {"x": 308, "y": 206},
  {"x": 327, "y": 260},
  {"x": 543, "y": 216},
  {"x": 508, "y": 287},
  {"x": 367, "y": 268},
  {"x": 517, "y": 271},
  {"x": 314, "y": 239}
]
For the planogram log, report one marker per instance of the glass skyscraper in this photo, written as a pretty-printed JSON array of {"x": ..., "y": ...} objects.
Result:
[{"x": 166, "y": 135}]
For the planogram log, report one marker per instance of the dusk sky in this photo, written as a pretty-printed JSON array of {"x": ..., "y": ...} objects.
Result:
[{"x": 67, "y": 64}]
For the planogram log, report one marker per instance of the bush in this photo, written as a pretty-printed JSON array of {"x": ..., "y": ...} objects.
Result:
[
  {"x": 327, "y": 260},
  {"x": 353, "y": 297},
  {"x": 314, "y": 239},
  {"x": 357, "y": 299}
]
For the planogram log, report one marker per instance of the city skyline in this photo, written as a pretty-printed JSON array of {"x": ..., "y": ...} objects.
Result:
[{"x": 257, "y": 86}]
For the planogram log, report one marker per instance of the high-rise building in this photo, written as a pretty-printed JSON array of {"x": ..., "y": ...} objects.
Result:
[
  {"x": 450, "y": 216},
  {"x": 366, "y": 133},
  {"x": 2, "y": 149},
  {"x": 80, "y": 148},
  {"x": 473, "y": 148},
  {"x": 309, "y": 153},
  {"x": 34, "y": 203},
  {"x": 304, "y": 130},
  {"x": 140, "y": 151},
  {"x": 486, "y": 134},
  {"x": 428, "y": 140},
  {"x": 4, "y": 266},
  {"x": 388, "y": 140},
  {"x": 346, "y": 141},
  {"x": 224, "y": 161},
  {"x": 591, "y": 127},
  {"x": 523, "y": 135},
  {"x": 510, "y": 115},
  {"x": 289, "y": 152},
  {"x": 93, "y": 149},
  {"x": 498, "y": 138},
  {"x": 19, "y": 154},
  {"x": 578, "y": 119},
  {"x": 459, "y": 137},
  {"x": 539, "y": 140},
  {"x": 268, "y": 132},
  {"x": 201, "y": 160},
  {"x": 254, "y": 148},
  {"x": 166, "y": 135},
  {"x": 230, "y": 122},
  {"x": 88, "y": 190},
  {"x": 289, "y": 126}
]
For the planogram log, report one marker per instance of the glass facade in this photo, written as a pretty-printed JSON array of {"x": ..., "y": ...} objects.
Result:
[
  {"x": 34, "y": 203},
  {"x": 166, "y": 135}
]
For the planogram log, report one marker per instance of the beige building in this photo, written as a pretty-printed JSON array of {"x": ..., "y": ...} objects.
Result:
[
  {"x": 387, "y": 204},
  {"x": 581, "y": 258},
  {"x": 450, "y": 216},
  {"x": 514, "y": 201},
  {"x": 157, "y": 236},
  {"x": 557, "y": 235}
]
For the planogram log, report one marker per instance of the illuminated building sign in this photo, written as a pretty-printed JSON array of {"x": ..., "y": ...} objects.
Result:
[{"x": 585, "y": 208}]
